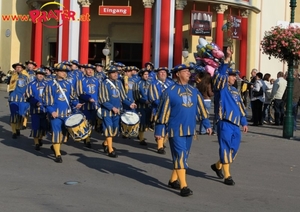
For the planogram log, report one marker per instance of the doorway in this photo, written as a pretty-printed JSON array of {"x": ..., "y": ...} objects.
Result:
[{"x": 129, "y": 54}]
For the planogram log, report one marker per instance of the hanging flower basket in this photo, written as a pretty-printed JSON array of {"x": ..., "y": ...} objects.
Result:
[{"x": 282, "y": 43}]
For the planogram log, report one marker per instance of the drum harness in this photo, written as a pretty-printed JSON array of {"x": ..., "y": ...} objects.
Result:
[
  {"x": 114, "y": 86},
  {"x": 64, "y": 95}
]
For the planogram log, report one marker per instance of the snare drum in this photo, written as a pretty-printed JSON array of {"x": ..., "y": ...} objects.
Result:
[
  {"x": 99, "y": 113},
  {"x": 78, "y": 127},
  {"x": 99, "y": 127},
  {"x": 130, "y": 122}
]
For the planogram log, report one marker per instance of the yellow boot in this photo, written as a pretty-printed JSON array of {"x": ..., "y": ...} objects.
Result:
[
  {"x": 160, "y": 146},
  {"x": 217, "y": 167},
  {"x": 228, "y": 179},
  {"x": 111, "y": 151},
  {"x": 88, "y": 142},
  {"x": 24, "y": 122},
  {"x": 14, "y": 130},
  {"x": 142, "y": 140},
  {"x": 174, "y": 183},
  {"x": 184, "y": 190},
  {"x": 56, "y": 148},
  {"x": 36, "y": 143}
]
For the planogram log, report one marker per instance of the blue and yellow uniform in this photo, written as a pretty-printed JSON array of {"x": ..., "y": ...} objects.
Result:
[
  {"x": 34, "y": 95},
  {"x": 31, "y": 72},
  {"x": 48, "y": 73},
  {"x": 231, "y": 114},
  {"x": 17, "y": 100},
  {"x": 128, "y": 83},
  {"x": 88, "y": 92},
  {"x": 54, "y": 101},
  {"x": 99, "y": 73},
  {"x": 88, "y": 88},
  {"x": 136, "y": 77},
  {"x": 156, "y": 89},
  {"x": 143, "y": 105},
  {"x": 111, "y": 95},
  {"x": 76, "y": 72},
  {"x": 150, "y": 67},
  {"x": 180, "y": 107}
]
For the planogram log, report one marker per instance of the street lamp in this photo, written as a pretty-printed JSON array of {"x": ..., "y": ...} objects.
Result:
[
  {"x": 288, "y": 123},
  {"x": 185, "y": 53}
]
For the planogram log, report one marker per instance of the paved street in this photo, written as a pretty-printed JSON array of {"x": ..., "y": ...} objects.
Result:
[{"x": 266, "y": 172}]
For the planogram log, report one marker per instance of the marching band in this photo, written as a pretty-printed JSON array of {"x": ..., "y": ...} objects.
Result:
[
  {"x": 116, "y": 100},
  {"x": 72, "y": 100}
]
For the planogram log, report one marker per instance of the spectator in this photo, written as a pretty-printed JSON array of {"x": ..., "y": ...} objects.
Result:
[
  {"x": 258, "y": 98},
  {"x": 205, "y": 88},
  {"x": 266, "y": 109},
  {"x": 244, "y": 90},
  {"x": 278, "y": 90},
  {"x": 252, "y": 81}
]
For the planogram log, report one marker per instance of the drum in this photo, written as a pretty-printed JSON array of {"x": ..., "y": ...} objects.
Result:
[
  {"x": 99, "y": 113},
  {"x": 98, "y": 126},
  {"x": 78, "y": 127},
  {"x": 130, "y": 122}
]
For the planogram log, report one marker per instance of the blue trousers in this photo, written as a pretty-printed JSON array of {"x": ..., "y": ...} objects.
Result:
[
  {"x": 17, "y": 111},
  {"x": 229, "y": 138},
  {"x": 91, "y": 116},
  {"x": 145, "y": 115},
  {"x": 38, "y": 125},
  {"x": 180, "y": 148},
  {"x": 111, "y": 125},
  {"x": 59, "y": 131}
]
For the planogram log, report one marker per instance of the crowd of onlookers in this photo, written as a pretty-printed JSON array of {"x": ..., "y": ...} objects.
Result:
[{"x": 264, "y": 94}]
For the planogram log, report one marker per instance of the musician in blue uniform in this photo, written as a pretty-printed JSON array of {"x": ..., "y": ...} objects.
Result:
[
  {"x": 48, "y": 73},
  {"x": 128, "y": 83},
  {"x": 135, "y": 74},
  {"x": 180, "y": 105},
  {"x": 156, "y": 89},
  {"x": 99, "y": 73},
  {"x": 31, "y": 67},
  {"x": 75, "y": 67},
  {"x": 59, "y": 98},
  {"x": 17, "y": 100},
  {"x": 141, "y": 98},
  {"x": 150, "y": 67},
  {"x": 88, "y": 91},
  {"x": 71, "y": 77},
  {"x": 111, "y": 97},
  {"x": 34, "y": 94},
  {"x": 230, "y": 116},
  {"x": 120, "y": 67}
]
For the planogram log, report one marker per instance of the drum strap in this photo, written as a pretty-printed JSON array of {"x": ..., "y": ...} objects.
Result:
[
  {"x": 163, "y": 84},
  {"x": 112, "y": 84},
  {"x": 62, "y": 92}
]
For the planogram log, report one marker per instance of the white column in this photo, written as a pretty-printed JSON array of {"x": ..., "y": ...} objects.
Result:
[
  {"x": 60, "y": 32},
  {"x": 171, "y": 41},
  {"x": 74, "y": 32},
  {"x": 156, "y": 31}
]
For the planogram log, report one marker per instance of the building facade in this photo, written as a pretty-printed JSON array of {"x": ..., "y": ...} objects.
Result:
[{"x": 154, "y": 30}]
